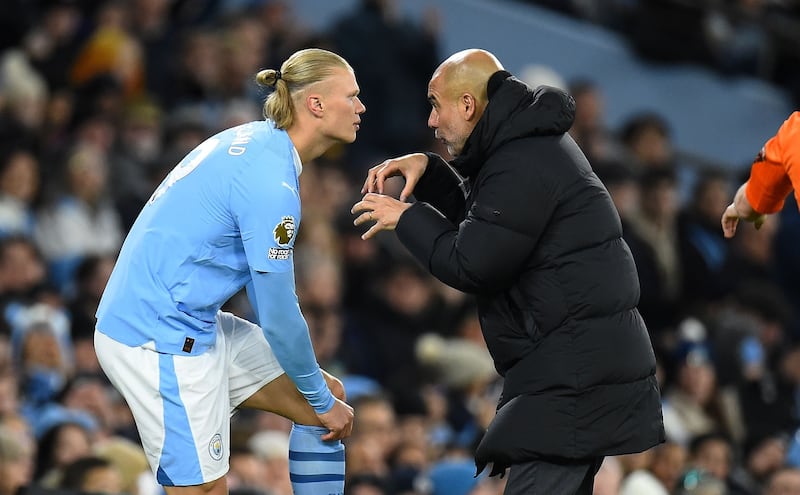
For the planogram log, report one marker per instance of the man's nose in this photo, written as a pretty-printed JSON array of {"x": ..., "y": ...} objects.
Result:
[{"x": 433, "y": 121}]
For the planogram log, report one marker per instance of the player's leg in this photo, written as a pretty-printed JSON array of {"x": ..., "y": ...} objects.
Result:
[
  {"x": 179, "y": 404},
  {"x": 281, "y": 397},
  {"x": 258, "y": 381},
  {"x": 216, "y": 487}
]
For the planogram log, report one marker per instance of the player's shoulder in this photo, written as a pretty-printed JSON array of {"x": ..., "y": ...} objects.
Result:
[
  {"x": 793, "y": 122},
  {"x": 253, "y": 140},
  {"x": 789, "y": 133}
]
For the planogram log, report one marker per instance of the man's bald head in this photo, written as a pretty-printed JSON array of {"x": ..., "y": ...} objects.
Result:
[
  {"x": 457, "y": 92},
  {"x": 468, "y": 71}
]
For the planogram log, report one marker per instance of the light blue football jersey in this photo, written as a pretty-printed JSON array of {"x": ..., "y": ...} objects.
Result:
[{"x": 230, "y": 205}]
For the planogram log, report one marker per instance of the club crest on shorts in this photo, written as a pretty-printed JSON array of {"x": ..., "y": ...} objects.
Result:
[{"x": 215, "y": 447}]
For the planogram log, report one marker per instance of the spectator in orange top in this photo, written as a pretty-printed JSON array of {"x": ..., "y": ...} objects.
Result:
[{"x": 775, "y": 172}]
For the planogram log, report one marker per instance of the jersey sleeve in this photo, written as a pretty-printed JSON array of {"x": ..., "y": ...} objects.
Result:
[
  {"x": 287, "y": 333},
  {"x": 776, "y": 170},
  {"x": 266, "y": 205}
]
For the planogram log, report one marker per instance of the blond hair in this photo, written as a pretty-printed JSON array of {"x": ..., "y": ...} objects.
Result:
[{"x": 303, "y": 68}]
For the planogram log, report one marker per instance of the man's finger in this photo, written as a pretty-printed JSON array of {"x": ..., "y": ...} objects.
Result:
[
  {"x": 406, "y": 192},
  {"x": 365, "y": 187},
  {"x": 364, "y": 217},
  {"x": 383, "y": 174},
  {"x": 368, "y": 202},
  {"x": 359, "y": 207},
  {"x": 369, "y": 234},
  {"x": 729, "y": 227},
  {"x": 369, "y": 184}
]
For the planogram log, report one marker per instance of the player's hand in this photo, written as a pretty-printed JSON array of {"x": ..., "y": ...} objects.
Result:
[
  {"x": 339, "y": 420},
  {"x": 731, "y": 217},
  {"x": 730, "y": 220},
  {"x": 740, "y": 209},
  {"x": 384, "y": 211},
  {"x": 411, "y": 167}
]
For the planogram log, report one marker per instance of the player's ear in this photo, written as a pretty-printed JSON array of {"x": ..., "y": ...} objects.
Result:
[{"x": 314, "y": 104}]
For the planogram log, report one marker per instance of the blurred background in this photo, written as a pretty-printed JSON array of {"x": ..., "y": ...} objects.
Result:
[{"x": 99, "y": 99}]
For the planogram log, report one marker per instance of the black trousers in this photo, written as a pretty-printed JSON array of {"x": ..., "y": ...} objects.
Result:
[{"x": 553, "y": 478}]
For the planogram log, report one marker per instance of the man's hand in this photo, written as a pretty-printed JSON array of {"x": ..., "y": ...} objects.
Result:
[
  {"x": 411, "y": 167},
  {"x": 740, "y": 209},
  {"x": 339, "y": 420},
  {"x": 385, "y": 211}
]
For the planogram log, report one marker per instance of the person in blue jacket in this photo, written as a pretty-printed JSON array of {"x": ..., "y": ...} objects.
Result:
[{"x": 226, "y": 217}]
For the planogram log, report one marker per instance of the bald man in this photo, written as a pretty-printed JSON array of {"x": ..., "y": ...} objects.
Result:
[{"x": 519, "y": 219}]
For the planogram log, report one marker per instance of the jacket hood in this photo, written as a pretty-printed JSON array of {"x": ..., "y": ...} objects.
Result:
[{"x": 515, "y": 110}]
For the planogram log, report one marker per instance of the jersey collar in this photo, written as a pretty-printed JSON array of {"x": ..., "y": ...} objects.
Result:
[{"x": 298, "y": 165}]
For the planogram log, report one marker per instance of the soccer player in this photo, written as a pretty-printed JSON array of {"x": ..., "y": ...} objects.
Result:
[{"x": 226, "y": 217}]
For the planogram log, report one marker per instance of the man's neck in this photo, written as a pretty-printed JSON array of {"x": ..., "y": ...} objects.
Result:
[{"x": 308, "y": 145}]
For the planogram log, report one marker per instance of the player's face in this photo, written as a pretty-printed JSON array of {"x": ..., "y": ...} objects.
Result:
[
  {"x": 342, "y": 106},
  {"x": 446, "y": 119}
]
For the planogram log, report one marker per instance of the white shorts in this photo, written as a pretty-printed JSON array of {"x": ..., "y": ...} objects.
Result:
[{"x": 182, "y": 404}]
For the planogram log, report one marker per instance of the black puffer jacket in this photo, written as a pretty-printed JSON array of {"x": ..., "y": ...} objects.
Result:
[{"x": 538, "y": 240}]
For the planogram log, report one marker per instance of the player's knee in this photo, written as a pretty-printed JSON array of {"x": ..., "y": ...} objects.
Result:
[{"x": 214, "y": 487}]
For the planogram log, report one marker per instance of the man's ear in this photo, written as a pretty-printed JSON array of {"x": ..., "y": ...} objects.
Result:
[
  {"x": 314, "y": 104},
  {"x": 468, "y": 106}
]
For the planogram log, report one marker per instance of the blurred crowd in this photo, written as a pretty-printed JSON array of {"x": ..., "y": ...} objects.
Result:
[
  {"x": 100, "y": 98},
  {"x": 759, "y": 38}
]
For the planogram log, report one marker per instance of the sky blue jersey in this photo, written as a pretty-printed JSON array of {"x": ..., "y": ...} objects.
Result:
[{"x": 231, "y": 205}]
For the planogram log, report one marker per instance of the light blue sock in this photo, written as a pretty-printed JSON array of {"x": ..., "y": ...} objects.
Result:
[{"x": 315, "y": 467}]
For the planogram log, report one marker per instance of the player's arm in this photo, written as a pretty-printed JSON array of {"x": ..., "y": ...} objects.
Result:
[
  {"x": 266, "y": 206},
  {"x": 285, "y": 328},
  {"x": 776, "y": 171}
]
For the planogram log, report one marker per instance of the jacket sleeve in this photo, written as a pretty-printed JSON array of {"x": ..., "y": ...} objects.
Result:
[
  {"x": 441, "y": 187},
  {"x": 485, "y": 252},
  {"x": 776, "y": 170}
]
